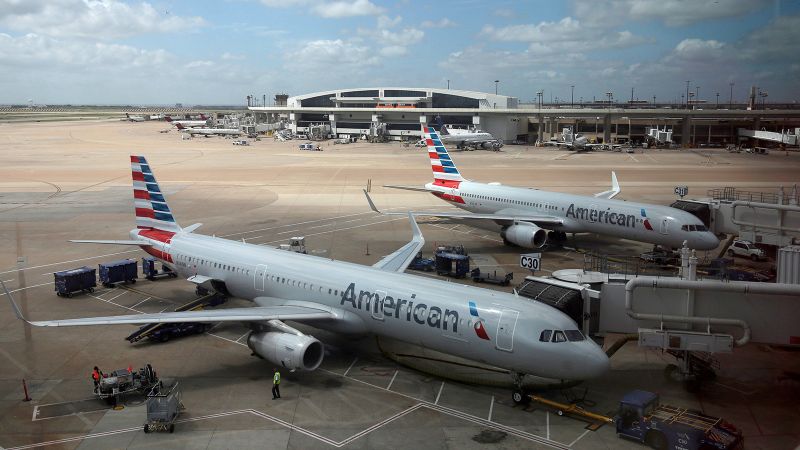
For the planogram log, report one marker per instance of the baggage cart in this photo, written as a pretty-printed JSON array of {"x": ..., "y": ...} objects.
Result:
[
  {"x": 67, "y": 282},
  {"x": 163, "y": 406},
  {"x": 123, "y": 271},
  {"x": 150, "y": 271},
  {"x": 113, "y": 386}
]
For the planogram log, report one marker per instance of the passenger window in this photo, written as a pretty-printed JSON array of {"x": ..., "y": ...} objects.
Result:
[
  {"x": 574, "y": 335},
  {"x": 545, "y": 336},
  {"x": 336, "y": 292},
  {"x": 558, "y": 336}
]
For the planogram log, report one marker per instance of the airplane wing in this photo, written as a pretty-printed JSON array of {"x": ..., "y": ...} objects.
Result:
[
  {"x": 539, "y": 220},
  {"x": 122, "y": 242},
  {"x": 407, "y": 188},
  {"x": 399, "y": 260},
  {"x": 611, "y": 193},
  {"x": 254, "y": 314}
]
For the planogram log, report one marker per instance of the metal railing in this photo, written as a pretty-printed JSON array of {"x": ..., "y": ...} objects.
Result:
[{"x": 732, "y": 194}]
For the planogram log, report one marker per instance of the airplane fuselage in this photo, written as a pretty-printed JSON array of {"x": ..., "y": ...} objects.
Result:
[
  {"x": 641, "y": 222},
  {"x": 483, "y": 325}
]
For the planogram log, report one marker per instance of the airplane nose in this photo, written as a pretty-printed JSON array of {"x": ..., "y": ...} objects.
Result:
[
  {"x": 597, "y": 363},
  {"x": 708, "y": 242}
]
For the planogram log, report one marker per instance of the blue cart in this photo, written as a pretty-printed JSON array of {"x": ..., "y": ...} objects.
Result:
[
  {"x": 150, "y": 271},
  {"x": 82, "y": 279},
  {"x": 123, "y": 271}
]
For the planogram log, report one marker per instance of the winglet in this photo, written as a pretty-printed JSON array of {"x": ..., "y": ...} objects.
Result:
[
  {"x": 611, "y": 193},
  {"x": 14, "y": 306},
  {"x": 371, "y": 204},
  {"x": 416, "y": 233},
  {"x": 192, "y": 227},
  {"x": 399, "y": 260}
]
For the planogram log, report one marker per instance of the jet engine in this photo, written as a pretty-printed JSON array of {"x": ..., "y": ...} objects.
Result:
[
  {"x": 290, "y": 351},
  {"x": 525, "y": 235}
]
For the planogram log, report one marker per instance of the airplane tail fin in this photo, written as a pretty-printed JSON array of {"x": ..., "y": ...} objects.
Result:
[
  {"x": 203, "y": 117},
  {"x": 180, "y": 126},
  {"x": 168, "y": 118},
  {"x": 445, "y": 172},
  {"x": 440, "y": 126},
  {"x": 152, "y": 211}
]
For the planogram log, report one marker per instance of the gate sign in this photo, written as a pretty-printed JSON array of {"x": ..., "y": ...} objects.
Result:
[
  {"x": 681, "y": 190},
  {"x": 530, "y": 261}
]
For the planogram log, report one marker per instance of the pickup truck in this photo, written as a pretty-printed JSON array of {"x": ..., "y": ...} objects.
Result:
[{"x": 642, "y": 418}]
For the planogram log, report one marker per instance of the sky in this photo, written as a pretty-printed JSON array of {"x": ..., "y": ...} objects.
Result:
[{"x": 218, "y": 52}]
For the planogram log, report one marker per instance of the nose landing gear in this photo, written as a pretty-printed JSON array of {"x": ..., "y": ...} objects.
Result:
[{"x": 519, "y": 396}]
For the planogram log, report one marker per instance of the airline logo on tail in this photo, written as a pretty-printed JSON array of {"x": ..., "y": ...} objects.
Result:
[
  {"x": 152, "y": 211},
  {"x": 479, "y": 328},
  {"x": 445, "y": 173}
]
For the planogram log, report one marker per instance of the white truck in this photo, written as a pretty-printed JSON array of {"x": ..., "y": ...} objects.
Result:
[{"x": 746, "y": 249}]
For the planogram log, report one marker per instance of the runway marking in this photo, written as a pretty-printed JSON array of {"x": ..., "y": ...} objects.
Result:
[
  {"x": 389, "y": 387},
  {"x": 464, "y": 232},
  {"x": 29, "y": 287},
  {"x": 299, "y": 223},
  {"x": 571, "y": 444},
  {"x": 118, "y": 295},
  {"x": 107, "y": 292},
  {"x": 547, "y": 422},
  {"x": 9, "y": 281},
  {"x": 72, "y": 260},
  {"x": 351, "y": 366},
  {"x": 439, "y": 394},
  {"x": 224, "y": 338},
  {"x": 341, "y": 229},
  {"x": 148, "y": 298},
  {"x": 491, "y": 409},
  {"x": 116, "y": 304},
  {"x": 632, "y": 157},
  {"x": 240, "y": 337}
]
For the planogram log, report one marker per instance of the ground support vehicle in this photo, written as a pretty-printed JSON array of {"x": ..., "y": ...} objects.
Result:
[
  {"x": 112, "y": 387},
  {"x": 452, "y": 261},
  {"x": 163, "y": 332},
  {"x": 122, "y": 271},
  {"x": 661, "y": 257},
  {"x": 491, "y": 277},
  {"x": 67, "y": 282},
  {"x": 163, "y": 406},
  {"x": 746, "y": 249},
  {"x": 150, "y": 271},
  {"x": 642, "y": 418},
  {"x": 422, "y": 264}
]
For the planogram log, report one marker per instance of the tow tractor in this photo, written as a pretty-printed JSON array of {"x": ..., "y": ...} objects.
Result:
[
  {"x": 491, "y": 277},
  {"x": 112, "y": 387},
  {"x": 150, "y": 271},
  {"x": 452, "y": 261},
  {"x": 422, "y": 264},
  {"x": 163, "y": 332}
]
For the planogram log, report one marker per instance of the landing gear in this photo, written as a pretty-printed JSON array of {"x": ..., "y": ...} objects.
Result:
[{"x": 519, "y": 396}]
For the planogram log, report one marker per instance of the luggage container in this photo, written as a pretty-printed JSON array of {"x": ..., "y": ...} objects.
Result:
[
  {"x": 163, "y": 406},
  {"x": 123, "y": 271},
  {"x": 67, "y": 282}
]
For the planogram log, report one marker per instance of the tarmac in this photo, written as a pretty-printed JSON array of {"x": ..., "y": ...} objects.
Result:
[{"x": 71, "y": 180}]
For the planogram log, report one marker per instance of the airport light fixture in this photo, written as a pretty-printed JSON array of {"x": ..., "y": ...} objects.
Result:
[
  {"x": 687, "y": 93},
  {"x": 609, "y": 95},
  {"x": 495, "y": 86},
  {"x": 717, "y": 100},
  {"x": 572, "y": 96},
  {"x": 730, "y": 99}
]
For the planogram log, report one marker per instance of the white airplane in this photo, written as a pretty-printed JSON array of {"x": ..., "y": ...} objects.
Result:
[
  {"x": 210, "y": 131},
  {"x": 578, "y": 142},
  {"x": 134, "y": 118},
  {"x": 526, "y": 214},
  {"x": 467, "y": 138},
  {"x": 503, "y": 330},
  {"x": 189, "y": 123}
]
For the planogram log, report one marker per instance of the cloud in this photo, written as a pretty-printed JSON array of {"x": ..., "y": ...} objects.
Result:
[
  {"x": 332, "y": 54},
  {"x": 504, "y": 12},
  {"x": 387, "y": 22},
  {"x": 96, "y": 20},
  {"x": 336, "y": 9},
  {"x": 232, "y": 56},
  {"x": 670, "y": 12},
  {"x": 444, "y": 22},
  {"x": 392, "y": 43}
]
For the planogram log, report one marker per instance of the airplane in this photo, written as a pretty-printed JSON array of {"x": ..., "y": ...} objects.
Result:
[
  {"x": 134, "y": 118},
  {"x": 500, "y": 329},
  {"x": 210, "y": 131},
  {"x": 467, "y": 138},
  {"x": 189, "y": 123},
  {"x": 578, "y": 142},
  {"x": 526, "y": 214}
]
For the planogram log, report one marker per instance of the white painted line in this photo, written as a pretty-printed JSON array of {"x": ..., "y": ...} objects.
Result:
[
  {"x": 240, "y": 337},
  {"x": 35, "y": 413},
  {"x": 351, "y": 366},
  {"x": 378, "y": 425},
  {"x": 72, "y": 260},
  {"x": 288, "y": 232},
  {"x": 148, "y": 298},
  {"x": 116, "y": 304},
  {"x": 8, "y": 281},
  {"x": 439, "y": 394},
  {"x": 389, "y": 387},
  {"x": 547, "y": 420},
  {"x": 572, "y": 444},
  {"x": 226, "y": 339},
  {"x": 342, "y": 229},
  {"x": 491, "y": 409},
  {"x": 29, "y": 287},
  {"x": 124, "y": 291}
]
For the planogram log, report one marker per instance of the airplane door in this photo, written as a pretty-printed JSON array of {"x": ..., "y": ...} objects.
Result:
[
  {"x": 259, "y": 276},
  {"x": 376, "y": 305},
  {"x": 505, "y": 330},
  {"x": 664, "y": 223}
]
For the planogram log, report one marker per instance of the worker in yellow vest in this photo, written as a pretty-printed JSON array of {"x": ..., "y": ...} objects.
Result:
[{"x": 276, "y": 385}]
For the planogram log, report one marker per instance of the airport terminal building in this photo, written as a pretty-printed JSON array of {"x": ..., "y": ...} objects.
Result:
[{"x": 395, "y": 113}]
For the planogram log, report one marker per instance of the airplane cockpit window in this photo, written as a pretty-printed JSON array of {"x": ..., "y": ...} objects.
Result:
[
  {"x": 558, "y": 336},
  {"x": 545, "y": 336},
  {"x": 574, "y": 335}
]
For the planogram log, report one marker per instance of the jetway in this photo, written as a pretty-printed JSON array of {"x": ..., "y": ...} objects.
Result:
[{"x": 786, "y": 138}]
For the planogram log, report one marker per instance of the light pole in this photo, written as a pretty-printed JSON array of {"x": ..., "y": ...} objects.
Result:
[
  {"x": 572, "y": 96},
  {"x": 448, "y": 85},
  {"x": 495, "y": 86},
  {"x": 697, "y": 93},
  {"x": 631, "y": 95},
  {"x": 539, "y": 96},
  {"x": 654, "y": 101},
  {"x": 730, "y": 99},
  {"x": 687, "y": 93},
  {"x": 609, "y": 95},
  {"x": 717, "y": 100}
]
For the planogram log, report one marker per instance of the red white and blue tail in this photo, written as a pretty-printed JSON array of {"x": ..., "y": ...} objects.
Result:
[
  {"x": 445, "y": 172},
  {"x": 152, "y": 211}
]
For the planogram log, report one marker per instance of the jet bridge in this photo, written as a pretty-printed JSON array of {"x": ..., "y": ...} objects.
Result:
[{"x": 783, "y": 137}]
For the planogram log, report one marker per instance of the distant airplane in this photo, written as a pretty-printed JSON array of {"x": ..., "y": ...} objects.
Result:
[
  {"x": 210, "y": 131},
  {"x": 495, "y": 328},
  {"x": 526, "y": 214},
  {"x": 134, "y": 118},
  {"x": 467, "y": 138},
  {"x": 578, "y": 142},
  {"x": 189, "y": 123}
]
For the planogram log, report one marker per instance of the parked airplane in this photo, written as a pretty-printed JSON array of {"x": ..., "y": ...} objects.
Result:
[
  {"x": 578, "y": 142},
  {"x": 467, "y": 138},
  {"x": 134, "y": 118},
  {"x": 495, "y": 328},
  {"x": 189, "y": 123},
  {"x": 210, "y": 131},
  {"x": 526, "y": 214}
]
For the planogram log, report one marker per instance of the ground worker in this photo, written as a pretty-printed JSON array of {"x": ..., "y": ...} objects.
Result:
[
  {"x": 96, "y": 375},
  {"x": 276, "y": 385}
]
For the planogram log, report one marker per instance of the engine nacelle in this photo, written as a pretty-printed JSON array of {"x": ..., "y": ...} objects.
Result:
[
  {"x": 290, "y": 351},
  {"x": 525, "y": 235}
]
